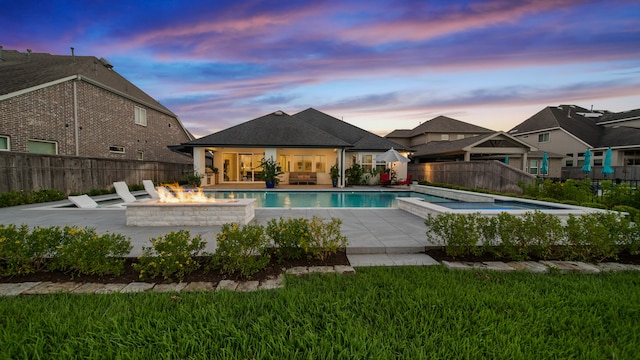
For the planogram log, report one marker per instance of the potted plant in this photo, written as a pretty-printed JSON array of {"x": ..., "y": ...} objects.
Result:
[
  {"x": 270, "y": 172},
  {"x": 334, "y": 172}
]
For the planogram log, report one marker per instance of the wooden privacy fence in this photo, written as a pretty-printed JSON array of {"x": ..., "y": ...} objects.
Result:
[
  {"x": 488, "y": 175},
  {"x": 23, "y": 171}
]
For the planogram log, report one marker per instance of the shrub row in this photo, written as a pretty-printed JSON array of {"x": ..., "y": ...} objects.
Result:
[
  {"x": 72, "y": 249},
  {"x": 587, "y": 237},
  {"x": 21, "y": 197},
  {"x": 244, "y": 249}
]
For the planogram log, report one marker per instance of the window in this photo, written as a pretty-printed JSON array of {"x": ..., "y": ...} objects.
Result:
[
  {"x": 140, "y": 155},
  {"x": 543, "y": 137},
  {"x": 444, "y": 137},
  {"x": 367, "y": 162},
  {"x": 303, "y": 162},
  {"x": 597, "y": 153},
  {"x": 321, "y": 163},
  {"x": 116, "y": 149},
  {"x": 141, "y": 116},
  {"x": 460, "y": 136},
  {"x": 597, "y": 162},
  {"x": 43, "y": 147},
  {"x": 285, "y": 163},
  {"x": 533, "y": 167},
  {"x": 569, "y": 163},
  {"x": 4, "y": 143}
]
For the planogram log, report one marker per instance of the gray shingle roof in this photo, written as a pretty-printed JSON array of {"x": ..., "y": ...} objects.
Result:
[
  {"x": 20, "y": 71},
  {"x": 495, "y": 139},
  {"x": 619, "y": 136},
  {"x": 635, "y": 113},
  {"x": 277, "y": 129},
  {"x": 564, "y": 117},
  {"x": 309, "y": 128},
  {"x": 443, "y": 124}
]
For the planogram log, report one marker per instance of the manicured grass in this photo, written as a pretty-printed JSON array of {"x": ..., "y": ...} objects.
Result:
[{"x": 380, "y": 313}]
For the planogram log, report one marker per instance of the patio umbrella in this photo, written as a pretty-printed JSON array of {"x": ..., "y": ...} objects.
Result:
[
  {"x": 392, "y": 156},
  {"x": 587, "y": 162},
  {"x": 607, "y": 169},
  {"x": 506, "y": 159},
  {"x": 544, "y": 169}
]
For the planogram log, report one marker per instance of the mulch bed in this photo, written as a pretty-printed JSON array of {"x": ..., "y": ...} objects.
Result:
[
  {"x": 440, "y": 255},
  {"x": 273, "y": 269}
]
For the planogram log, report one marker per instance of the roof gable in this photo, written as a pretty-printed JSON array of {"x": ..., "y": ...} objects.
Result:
[
  {"x": 20, "y": 71},
  {"x": 443, "y": 124},
  {"x": 565, "y": 117},
  {"x": 495, "y": 139},
  {"x": 360, "y": 139}
]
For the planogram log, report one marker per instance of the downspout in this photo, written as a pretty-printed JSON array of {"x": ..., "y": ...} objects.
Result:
[{"x": 75, "y": 116}]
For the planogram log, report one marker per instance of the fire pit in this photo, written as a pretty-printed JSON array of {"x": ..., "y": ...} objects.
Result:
[{"x": 178, "y": 206}]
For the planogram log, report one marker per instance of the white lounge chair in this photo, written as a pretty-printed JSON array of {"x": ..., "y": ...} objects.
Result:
[
  {"x": 151, "y": 189},
  {"x": 123, "y": 191},
  {"x": 83, "y": 202}
]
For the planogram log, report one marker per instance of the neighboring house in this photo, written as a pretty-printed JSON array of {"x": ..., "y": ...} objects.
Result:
[
  {"x": 79, "y": 106},
  {"x": 568, "y": 131},
  {"x": 440, "y": 128},
  {"x": 309, "y": 141},
  {"x": 446, "y": 139}
]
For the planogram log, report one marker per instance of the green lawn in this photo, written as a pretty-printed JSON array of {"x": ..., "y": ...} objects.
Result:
[{"x": 380, "y": 313}]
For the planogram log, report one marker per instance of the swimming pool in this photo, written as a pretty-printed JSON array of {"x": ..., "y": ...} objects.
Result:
[{"x": 325, "y": 199}]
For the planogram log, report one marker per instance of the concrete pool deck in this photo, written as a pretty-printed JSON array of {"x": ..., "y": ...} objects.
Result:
[{"x": 386, "y": 236}]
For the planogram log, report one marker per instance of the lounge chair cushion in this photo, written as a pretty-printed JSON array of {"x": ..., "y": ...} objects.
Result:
[
  {"x": 83, "y": 201},
  {"x": 151, "y": 189},
  {"x": 123, "y": 191}
]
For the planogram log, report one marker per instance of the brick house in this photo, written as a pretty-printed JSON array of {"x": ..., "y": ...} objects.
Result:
[{"x": 79, "y": 106}]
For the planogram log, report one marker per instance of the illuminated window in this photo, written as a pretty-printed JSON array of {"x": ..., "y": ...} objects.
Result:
[
  {"x": 116, "y": 149},
  {"x": 321, "y": 163},
  {"x": 444, "y": 137},
  {"x": 140, "y": 155}
]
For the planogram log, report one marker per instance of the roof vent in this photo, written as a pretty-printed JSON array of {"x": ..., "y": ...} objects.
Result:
[
  {"x": 278, "y": 113},
  {"x": 106, "y": 63}
]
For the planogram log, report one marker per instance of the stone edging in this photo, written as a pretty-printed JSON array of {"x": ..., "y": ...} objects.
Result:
[{"x": 47, "y": 287}]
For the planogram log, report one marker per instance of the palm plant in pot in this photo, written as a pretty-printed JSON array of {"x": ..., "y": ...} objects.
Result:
[
  {"x": 270, "y": 172},
  {"x": 334, "y": 172}
]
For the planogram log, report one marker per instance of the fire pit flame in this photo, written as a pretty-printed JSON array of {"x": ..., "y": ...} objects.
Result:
[{"x": 174, "y": 193}]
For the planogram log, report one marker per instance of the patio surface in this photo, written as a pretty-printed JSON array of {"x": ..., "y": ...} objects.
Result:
[{"x": 384, "y": 236}]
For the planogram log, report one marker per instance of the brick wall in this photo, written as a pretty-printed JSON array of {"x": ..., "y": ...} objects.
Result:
[{"x": 104, "y": 119}]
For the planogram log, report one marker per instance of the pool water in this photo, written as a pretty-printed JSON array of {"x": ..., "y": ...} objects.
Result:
[
  {"x": 497, "y": 205},
  {"x": 325, "y": 199}
]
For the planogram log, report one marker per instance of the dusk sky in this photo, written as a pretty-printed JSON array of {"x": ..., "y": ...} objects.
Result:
[{"x": 379, "y": 65}]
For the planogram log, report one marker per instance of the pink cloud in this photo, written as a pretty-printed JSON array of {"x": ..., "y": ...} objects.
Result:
[{"x": 478, "y": 15}]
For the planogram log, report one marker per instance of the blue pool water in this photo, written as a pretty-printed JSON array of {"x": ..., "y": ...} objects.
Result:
[
  {"x": 325, "y": 199},
  {"x": 497, "y": 205}
]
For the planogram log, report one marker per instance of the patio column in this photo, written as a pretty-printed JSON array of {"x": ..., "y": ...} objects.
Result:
[
  {"x": 342, "y": 179},
  {"x": 467, "y": 156},
  {"x": 198, "y": 160},
  {"x": 524, "y": 162}
]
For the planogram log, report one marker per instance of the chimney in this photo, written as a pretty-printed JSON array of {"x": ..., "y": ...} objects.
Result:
[
  {"x": 28, "y": 55},
  {"x": 73, "y": 55}
]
